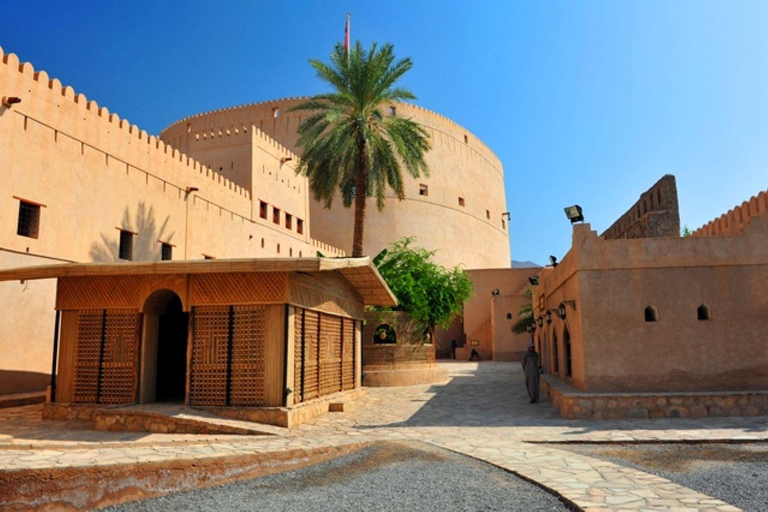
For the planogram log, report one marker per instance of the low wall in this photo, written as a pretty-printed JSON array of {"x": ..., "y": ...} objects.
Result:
[
  {"x": 408, "y": 362},
  {"x": 575, "y": 404}
]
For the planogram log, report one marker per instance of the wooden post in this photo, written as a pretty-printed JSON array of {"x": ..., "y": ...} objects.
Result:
[{"x": 55, "y": 355}]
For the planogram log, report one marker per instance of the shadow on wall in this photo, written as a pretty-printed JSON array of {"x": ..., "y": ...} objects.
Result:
[
  {"x": 146, "y": 246},
  {"x": 19, "y": 381}
]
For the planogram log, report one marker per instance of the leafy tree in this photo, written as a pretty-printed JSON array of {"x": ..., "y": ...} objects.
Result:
[
  {"x": 432, "y": 294},
  {"x": 524, "y": 315},
  {"x": 349, "y": 143}
]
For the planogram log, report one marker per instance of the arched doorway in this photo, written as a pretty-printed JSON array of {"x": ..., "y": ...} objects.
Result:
[{"x": 164, "y": 349}]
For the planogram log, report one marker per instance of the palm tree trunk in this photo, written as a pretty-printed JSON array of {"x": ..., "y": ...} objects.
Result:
[{"x": 357, "y": 241}]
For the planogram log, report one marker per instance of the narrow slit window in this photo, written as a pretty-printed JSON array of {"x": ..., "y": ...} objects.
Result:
[
  {"x": 503, "y": 224},
  {"x": 126, "y": 245},
  {"x": 488, "y": 214},
  {"x": 166, "y": 251},
  {"x": 29, "y": 220},
  {"x": 466, "y": 139}
]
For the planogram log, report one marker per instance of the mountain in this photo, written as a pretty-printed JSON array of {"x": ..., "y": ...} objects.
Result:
[{"x": 524, "y": 264}]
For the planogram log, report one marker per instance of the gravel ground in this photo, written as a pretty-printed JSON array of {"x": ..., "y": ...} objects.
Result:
[
  {"x": 387, "y": 476},
  {"x": 734, "y": 473}
]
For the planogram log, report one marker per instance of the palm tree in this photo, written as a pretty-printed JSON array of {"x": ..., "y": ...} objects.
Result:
[
  {"x": 524, "y": 315},
  {"x": 349, "y": 143}
]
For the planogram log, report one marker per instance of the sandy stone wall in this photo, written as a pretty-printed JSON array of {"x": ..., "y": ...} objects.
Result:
[
  {"x": 613, "y": 282},
  {"x": 461, "y": 167},
  {"x": 733, "y": 222},
  {"x": 655, "y": 214}
]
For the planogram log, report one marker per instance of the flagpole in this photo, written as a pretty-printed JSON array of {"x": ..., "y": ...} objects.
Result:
[{"x": 347, "y": 31}]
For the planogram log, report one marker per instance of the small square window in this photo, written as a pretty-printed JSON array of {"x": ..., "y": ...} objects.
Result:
[
  {"x": 276, "y": 215},
  {"x": 423, "y": 190},
  {"x": 262, "y": 209},
  {"x": 275, "y": 112},
  {"x": 461, "y": 201},
  {"x": 299, "y": 226},
  {"x": 288, "y": 221},
  {"x": 29, "y": 219},
  {"x": 166, "y": 251},
  {"x": 126, "y": 245}
]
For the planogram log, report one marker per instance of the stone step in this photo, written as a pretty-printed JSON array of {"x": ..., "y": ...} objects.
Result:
[
  {"x": 178, "y": 419},
  {"x": 21, "y": 399}
]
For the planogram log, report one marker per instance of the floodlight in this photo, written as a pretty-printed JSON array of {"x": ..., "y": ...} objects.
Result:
[{"x": 574, "y": 213}]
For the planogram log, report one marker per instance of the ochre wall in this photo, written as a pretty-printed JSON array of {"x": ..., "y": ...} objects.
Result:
[
  {"x": 459, "y": 168},
  {"x": 613, "y": 281}
]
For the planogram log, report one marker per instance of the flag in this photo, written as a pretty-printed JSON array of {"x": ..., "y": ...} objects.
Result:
[{"x": 346, "y": 34}]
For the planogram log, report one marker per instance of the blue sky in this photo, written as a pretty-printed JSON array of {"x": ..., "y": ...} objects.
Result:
[{"x": 585, "y": 102}]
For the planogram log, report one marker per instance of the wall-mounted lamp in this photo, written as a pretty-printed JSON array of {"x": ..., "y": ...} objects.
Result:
[
  {"x": 191, "y": 189},
  {"x": 561, "y": 308},
  {"x": 508, "y": 215},
  {"x": 529, "y": 329},
  {"x": 548, "y": 316},
  {"x": 495, "y": 293},
  {"x": 574, "y": 213},
  {"x": 285, "y": 159},
  {"x": 540, "y": 321},
  {"x": 552, "y": 260},
  {"x": 534, "y": 280},
  {"x": 10, "y": 100}
]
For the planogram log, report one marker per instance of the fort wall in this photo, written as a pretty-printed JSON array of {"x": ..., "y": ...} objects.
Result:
[
  {"x": 93, "y": 175},
  {"x": 733, "y": 222},
  {"x": 655, "y": 214},
  {"x": 459, "y": 208}
]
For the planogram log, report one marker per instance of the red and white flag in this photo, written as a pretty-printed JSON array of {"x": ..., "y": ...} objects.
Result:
[{"x": 346, "y": 34}]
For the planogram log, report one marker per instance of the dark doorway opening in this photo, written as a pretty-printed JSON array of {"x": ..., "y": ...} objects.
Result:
[{"x": 172, "y": 353}]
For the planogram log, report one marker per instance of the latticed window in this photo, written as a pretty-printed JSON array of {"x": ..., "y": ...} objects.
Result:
[
  {"x": 126, "y": 245},
  {"x": 29, "y": 219},
  {"x": 567, "y": 346},
  {"x": 166, "y": 251}
]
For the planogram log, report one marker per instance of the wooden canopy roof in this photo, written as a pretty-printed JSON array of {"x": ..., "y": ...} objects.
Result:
[{"x": 360, "y": 272}]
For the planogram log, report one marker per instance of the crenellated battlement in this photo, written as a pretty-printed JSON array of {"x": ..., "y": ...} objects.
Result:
[
  {"x": 733, "y": 222},
  {"x": 168, "y": 132},
  {"x": 48, "y": 102}
]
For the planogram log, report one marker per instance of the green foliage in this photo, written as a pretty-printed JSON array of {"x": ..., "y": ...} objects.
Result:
[
  {"x": 432, "y": 294},
  {"x": 524, "y": 315},
  {"x": 349, "y": 144},
  {"x": 686, "y": 232}
]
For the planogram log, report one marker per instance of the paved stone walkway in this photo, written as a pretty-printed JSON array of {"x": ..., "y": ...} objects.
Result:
[{"x": 481, "y": 412}]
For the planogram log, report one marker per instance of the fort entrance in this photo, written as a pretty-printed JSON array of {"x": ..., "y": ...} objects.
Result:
[{"x": 164, "y": 349}]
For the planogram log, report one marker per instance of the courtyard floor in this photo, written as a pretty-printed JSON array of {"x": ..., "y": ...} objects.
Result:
[{"x": 481, "y": 412}]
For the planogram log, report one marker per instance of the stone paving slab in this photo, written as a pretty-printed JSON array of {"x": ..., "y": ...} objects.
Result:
[{"x": 481, "y": 412}]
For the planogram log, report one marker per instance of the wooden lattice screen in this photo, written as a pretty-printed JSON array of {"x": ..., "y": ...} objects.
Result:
[
  {"x": 324, "y": 354},
  {"x": 228, "y": 345},
  {"x": 107, "y": 356}
]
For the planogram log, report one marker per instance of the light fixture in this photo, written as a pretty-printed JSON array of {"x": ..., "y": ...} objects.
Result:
[
  {"x": 285, "y": 159},
  {"x": 561, "y": 312},
  {"x": 534, "y": 280},
  {"x": 574, "y": 213},
  {"x": 191, "y": 189},
  {"x": 540, "y": 321},
  {"x": 10, "y": 100},
  {"x": 529, "y": 329},
  {"x": 548, "y": 315},
  {"x": 495, "y": 292},
  {"x": 508, "y": 215},
  {"x": 552, "y": 260}
]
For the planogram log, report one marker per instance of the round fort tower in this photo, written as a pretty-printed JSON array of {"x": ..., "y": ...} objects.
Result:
[{"x": 459, "y": 210}]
